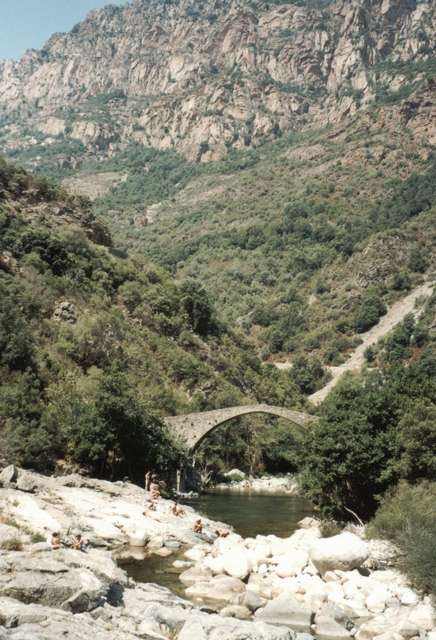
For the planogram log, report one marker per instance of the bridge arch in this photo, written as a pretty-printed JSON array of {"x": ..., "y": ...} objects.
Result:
[{"x": 192, "y": 428}]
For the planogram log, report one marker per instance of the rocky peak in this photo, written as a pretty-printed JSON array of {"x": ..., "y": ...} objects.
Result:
[{"x": 206, "y": 78}]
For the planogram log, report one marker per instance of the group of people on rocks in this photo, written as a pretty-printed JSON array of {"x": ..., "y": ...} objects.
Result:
[
  {"x": 76, "y": 542},
  {"x": 153, "y": 489}
]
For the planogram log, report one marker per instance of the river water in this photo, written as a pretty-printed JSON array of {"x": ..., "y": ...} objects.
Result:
[{"x": 250, "y": 515}]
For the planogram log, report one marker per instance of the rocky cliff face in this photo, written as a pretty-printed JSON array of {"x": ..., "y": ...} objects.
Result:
[{"x": 207, "y": 77}]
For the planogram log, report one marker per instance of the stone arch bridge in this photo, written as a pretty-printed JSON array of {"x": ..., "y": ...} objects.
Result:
[{"x": 193, "y": 427}]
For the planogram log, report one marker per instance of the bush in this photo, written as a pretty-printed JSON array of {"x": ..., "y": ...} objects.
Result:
[
  {"x": 369, "y": 311},
  {"x": 407, "y": 518},
  {"x": 329, "y": 528},
  {"x": 12, "y": 544},
  {"x": 308, "y": 374}
]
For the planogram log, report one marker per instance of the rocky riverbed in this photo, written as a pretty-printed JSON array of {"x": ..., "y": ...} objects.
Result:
[
  {"x": 266, "y": 588},
  {"x": 238, "y": 482}
]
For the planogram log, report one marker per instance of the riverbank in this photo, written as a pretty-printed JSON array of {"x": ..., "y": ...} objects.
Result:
[
  {"x": 266, "y": 588},
  {"x": 238, "y": 483},
  {"x": 49, "y": 594}
]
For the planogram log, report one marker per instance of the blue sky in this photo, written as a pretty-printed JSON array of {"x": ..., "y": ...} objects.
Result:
[{"x": 27, "y": 24}]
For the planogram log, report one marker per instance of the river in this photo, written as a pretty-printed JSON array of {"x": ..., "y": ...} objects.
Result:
[{"x": 250, "y": 515}]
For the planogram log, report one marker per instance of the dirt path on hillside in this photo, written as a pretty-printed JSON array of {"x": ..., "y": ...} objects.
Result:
[{"x": 395, "y": 315}]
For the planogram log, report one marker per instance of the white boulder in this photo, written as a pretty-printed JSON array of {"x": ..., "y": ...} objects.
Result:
[
  {"x": 214, "y": 564},
  {"x": 286, "y": 610},
  {"x": 237, "y": 564},
  {"x": 138, "y": 538},
  {"x": 292, "y": 564},
  {"x": 196, "y": 554},
  {"x": 407, "y": 597},
  {"x": 326, "y": 628},
  {"x": 424, "y": 616},
  {"x": 345, "y": 551}
]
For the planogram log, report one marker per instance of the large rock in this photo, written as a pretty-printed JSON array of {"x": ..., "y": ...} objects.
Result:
[
  {"x": 286, "y": 610},
  {"x": 77, "y": 590},
  {"x": 292, "y": 564},
  {"x": 424, "y": 616},
  {"x": 326, "y": 628},
  {"x": 236, "y": 611},
  {"x": 237, "y": 564},
  {"x": 68, "y": 579},
  {"x": 35, "y": 622},
  {"x": 8, "y": 475},
  {"x": 251, "y": 600},
  {"x": 345, "y": 551},
  {"x": 194, "y": 575},
  {"x": 27, "y": 482},
  {"x": 200, "y": 626},
  {"x": 139, "y": 539},
  {"x": 219, "y": 589}
]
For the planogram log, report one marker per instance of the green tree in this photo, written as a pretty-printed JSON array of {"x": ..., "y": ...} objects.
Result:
[
  {"x": 16, "y": 344},
  {"x": 308, "y": 374},
  {"x": 198, "y": 307},
  {"x": 349, "y": 453},
  {"x": 417, "y": 436},
  {"x": 27, "y": 441}
]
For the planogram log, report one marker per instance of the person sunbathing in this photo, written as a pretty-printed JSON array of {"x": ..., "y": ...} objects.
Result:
[
  {"x": 198, "y": 526},
  {"x": 78, "y": 542},
  {"x": 154, "y": 488},
  {"x": 55, "y": 541},
  {"x": 177, "y": 510}
]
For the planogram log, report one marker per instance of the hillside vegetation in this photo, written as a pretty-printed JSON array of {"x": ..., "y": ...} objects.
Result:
[
  {"x": 303, "y": 243},
  {"x": 95, "y": 348}
]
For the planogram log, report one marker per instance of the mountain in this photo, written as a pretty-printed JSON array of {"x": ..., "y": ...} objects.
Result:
[
  {"x": 280, "y": 154},
  {"x": 203, "y": 78}
]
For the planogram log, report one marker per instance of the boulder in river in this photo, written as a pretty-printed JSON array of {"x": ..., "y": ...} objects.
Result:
[
  {"x": 345, "y": 551},
  {"x": 194, "y": 575}
]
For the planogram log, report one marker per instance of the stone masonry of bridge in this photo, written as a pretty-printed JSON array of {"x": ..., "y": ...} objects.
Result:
[{"x": 193, "y": 427}]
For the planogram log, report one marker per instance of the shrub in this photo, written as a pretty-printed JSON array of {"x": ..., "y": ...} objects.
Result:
[
  {"x": 308, "y": 374},
  {"x": 407, "y": 518},
  {"x": 369, "y": 311},
  {"x": 329, "y": 528},
  {"x": 11, "y": 544}
]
